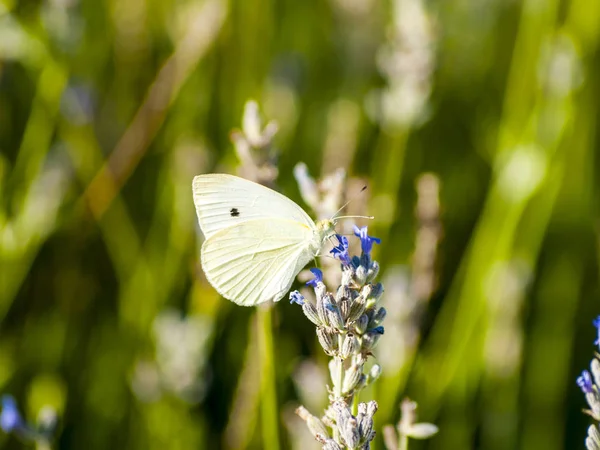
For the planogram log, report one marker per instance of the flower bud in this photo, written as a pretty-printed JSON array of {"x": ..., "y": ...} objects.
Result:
[
  {"x": 379, "y": 316},
  {"x": 345, "y": 308},
  {"x": 371, "y": 338},
  {"x": 310, "y": 311},
  {"x": 376, "y": 292},
  {"x": 320, "y": 290},
  {"x": 372, "y": 408},
  {"x": 373, "y": 271},
  {"x": 315, "y": 425},
  {"x": 330, "y": 416},
  {"x": 361, "y": 324},
  {"x": 362, "y": 412},
  {"x": 351, "y": 436},
  {"x": 350, "y": 346},
  {"x": 593, "y": 439},
  {"x": 328, "y": 340},
  {"x": 334, "y": 315},
  {"x": 351, "y": 378},
  {"x": 366, "y": 423},
  {"x": 342, "y": 293},
  {"x": 321, "y": 307},
  {"x": 335, "y": 371},
  {"x": 360, "y": 275},
  {"x": 347, "y": 425},
  {"x": 366, "y": 290},
  {"x": 347, "y": 276},
  {"x": 366, "y": 429},
  {"x": 357, "y": 307}
]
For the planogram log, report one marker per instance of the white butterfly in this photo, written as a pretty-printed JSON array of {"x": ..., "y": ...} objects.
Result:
[{"x": 257, "y": 240}]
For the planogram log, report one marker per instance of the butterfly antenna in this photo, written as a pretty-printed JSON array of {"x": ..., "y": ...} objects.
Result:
[
  {"x": 364, "y": 188},
  {"x": 355, "y": 217}
]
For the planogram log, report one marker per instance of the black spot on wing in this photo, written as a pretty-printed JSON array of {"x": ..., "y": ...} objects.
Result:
[{"x": 234, "y": 212}]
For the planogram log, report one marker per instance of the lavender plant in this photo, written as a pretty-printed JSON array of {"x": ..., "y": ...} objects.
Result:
[
  {"x": 348, "y": 326},
  {"x": 349, "y": 321},
  {"x": 590, "y": 385}
]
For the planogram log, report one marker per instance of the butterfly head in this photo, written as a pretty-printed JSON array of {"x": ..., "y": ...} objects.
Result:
[{"x": 326, "y": 228}]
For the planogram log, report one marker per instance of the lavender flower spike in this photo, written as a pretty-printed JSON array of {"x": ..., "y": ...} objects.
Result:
[{"x": 589, "y": 382}]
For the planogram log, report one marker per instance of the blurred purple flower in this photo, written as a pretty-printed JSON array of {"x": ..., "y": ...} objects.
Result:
[
  {"x": 10, "y": 419},
  {"x": 585, "y": 382}
]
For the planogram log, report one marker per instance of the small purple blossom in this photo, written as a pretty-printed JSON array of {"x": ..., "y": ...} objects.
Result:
[
  {"x": 341, "y": 251},
  {"x": 317, "y": 279},
  {"x": 10, "y": 419},
  {"x": 379, "y": 329},
  {"x": 296, "y": 297},
  {"x": 585, "y": 382},
  {"x": 366, "y": 241}
]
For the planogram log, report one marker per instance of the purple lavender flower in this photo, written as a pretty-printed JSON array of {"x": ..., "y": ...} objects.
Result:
[
  {"x": 10, "y": 419},
  {"x": 317, "y": 279},
  {"x": 366, "y": 241},
  {"x": 296, "y": 297},
  {"x": 341, "y": 251},
  {"x": 596, "y": 323},
  {"x": 585, "y": 382}
]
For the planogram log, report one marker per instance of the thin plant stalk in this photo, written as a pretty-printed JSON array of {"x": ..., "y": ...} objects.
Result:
[
  {"x": 268, "y": 405},
  {"x": 403, "y": 443}
]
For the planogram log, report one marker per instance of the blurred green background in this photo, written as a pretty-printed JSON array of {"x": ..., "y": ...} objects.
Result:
[{"x": 109, "y": 108}]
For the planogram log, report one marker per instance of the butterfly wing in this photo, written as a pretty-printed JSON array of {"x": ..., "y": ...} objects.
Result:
[
  {"x": 257, "y": 260},
  {"x": 223, "y": 201}
]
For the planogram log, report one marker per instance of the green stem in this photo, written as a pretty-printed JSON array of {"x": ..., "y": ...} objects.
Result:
[
  {"x": 403, "y": 443},
  {"x": 355, "y": 402},
  {"x": 268, "y": 404}
]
